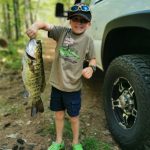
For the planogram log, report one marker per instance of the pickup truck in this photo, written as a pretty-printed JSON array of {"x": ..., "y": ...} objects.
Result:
[{"x": 121, "y": 33}]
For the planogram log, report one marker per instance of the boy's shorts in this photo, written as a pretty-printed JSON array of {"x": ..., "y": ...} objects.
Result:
[{"x": 70, "y": 101}]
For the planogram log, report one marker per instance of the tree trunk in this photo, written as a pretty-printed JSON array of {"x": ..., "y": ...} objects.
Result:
[
  {"x": 7, "y": 21},
  {"x": 31, "y": 15},
  {"x": 28, "y": 13},
  {"x": 26, "y": 9},
  {"x": 36, "y": 10},
  {"x": 5, "y": 26},
  {"x": 17, "y": 18},
  {"x": 9, "y": 34}
]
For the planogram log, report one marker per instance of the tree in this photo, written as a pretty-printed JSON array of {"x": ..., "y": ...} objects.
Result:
[
  {"x": 7, "y": 20},
  {"x": 16, "y": 18},
  {"x": 28, "y": 13}
]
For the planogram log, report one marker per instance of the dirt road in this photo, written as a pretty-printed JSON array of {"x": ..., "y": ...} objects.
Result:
[{"x": 37, "y": 133}]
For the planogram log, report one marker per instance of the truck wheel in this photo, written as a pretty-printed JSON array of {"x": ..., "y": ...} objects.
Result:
[{"x": 127, "y": 101}]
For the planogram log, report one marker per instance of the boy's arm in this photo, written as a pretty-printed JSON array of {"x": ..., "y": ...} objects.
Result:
[
  {"x": 32, "y": 31},
  {"x": 92, "y": 62},
  {"x": 88, "y": 71}
]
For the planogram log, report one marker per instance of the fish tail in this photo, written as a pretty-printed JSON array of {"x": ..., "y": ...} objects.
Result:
[{"x": 37, "y": 107}]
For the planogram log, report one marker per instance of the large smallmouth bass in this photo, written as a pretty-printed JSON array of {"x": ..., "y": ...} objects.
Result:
[{"x": 33, "y": 75}]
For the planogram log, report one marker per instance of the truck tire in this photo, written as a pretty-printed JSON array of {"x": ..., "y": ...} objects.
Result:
[{"x": 127, "y": 101}]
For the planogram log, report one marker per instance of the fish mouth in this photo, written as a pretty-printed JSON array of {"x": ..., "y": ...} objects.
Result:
[
  {"x": 38, "y": 107},
  {"x": 30, "y": 57}
]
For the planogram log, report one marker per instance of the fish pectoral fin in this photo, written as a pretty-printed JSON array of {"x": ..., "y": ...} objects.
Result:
[
  {"x": 25, "y": 94},
  {"x": 37, "y": 107}
]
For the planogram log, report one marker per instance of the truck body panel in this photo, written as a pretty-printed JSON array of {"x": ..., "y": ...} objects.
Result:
[{"x": 115, "y": 9}]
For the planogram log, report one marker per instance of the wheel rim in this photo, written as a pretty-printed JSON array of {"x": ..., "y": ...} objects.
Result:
[{"x": 124, "y": 104}]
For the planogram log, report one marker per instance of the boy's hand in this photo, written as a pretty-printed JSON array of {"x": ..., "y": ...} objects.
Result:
[
  {"x": 32, "y": 31},
  {"x": 87, "y": 72}
]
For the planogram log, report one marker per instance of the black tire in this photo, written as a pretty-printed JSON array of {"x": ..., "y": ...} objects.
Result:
[{"x": 127, "y": 101}]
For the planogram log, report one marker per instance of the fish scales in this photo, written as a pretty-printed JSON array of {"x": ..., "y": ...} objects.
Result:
[{"x": 33, "y": 75}]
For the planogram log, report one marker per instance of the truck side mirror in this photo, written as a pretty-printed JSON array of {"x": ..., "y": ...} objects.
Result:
[{"x": 59, "y": 10}]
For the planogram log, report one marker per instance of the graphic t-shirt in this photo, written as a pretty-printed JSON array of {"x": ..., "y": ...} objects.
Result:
[{"x": 71, "y": 51}]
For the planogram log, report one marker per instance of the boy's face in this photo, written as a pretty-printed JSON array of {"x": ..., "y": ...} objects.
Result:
[{"x": 79, "y": 24}]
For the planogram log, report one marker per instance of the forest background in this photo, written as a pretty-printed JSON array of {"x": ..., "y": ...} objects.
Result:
[{"x": 16, "y": 17}]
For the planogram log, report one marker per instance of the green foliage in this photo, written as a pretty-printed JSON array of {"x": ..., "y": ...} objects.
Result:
[
  {"x": 15, "y": 109},
  {"x": 3, "y": 105},
  {"x": 105, "y": 146},
  {"x": 10, "y": 57},
  {"x": 67, "y": 129},
  {"x": 38, "y": 10},
  {"x": 8, "y": 107},
  {"x": 51, "y": 130},
  {"x": 91, "y": 143}
]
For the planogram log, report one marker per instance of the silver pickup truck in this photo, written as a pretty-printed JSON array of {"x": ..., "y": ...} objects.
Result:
[{"x": 121, "y": 33}]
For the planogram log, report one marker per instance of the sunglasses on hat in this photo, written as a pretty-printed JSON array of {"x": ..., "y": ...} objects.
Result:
[{"x": 80, "y": 7}]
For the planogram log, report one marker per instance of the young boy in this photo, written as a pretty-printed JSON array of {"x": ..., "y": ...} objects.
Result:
[{"x": 73, "y": 47}]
